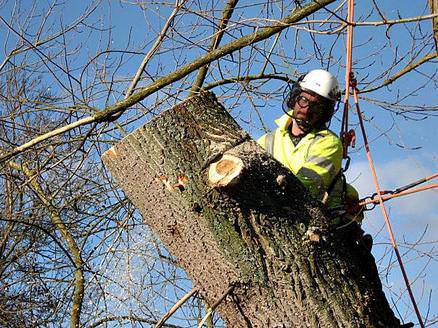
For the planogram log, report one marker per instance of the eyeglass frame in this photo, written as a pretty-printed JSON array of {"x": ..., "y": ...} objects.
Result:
[{"x": 312, "y": 105}]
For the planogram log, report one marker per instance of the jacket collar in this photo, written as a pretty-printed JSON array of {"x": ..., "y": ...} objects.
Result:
[{"x": 284, "y": 121}]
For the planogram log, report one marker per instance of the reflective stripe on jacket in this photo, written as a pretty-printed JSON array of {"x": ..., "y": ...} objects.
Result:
[{"x": 316, "y": 160}]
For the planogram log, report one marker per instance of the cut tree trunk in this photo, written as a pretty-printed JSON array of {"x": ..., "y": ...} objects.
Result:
[{"x": 241, "y": 224}]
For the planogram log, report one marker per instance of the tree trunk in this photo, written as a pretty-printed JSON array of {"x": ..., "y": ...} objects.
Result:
[{"x": 241, "y": 224}]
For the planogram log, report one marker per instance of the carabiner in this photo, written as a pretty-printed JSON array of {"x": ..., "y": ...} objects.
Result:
[{"x": 347, "y": 164}]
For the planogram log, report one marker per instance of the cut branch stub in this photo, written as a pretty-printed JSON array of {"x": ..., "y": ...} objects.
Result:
[
  {"x": 233, "y": 216},
  {"x": 225, "y": 172}
]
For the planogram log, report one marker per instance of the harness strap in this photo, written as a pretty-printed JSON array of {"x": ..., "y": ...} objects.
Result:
[
  {"x": 269, "y": 143},
  {"x": 330, "y": 188}
]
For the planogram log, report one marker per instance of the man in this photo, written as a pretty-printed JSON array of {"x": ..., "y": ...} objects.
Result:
[{"x": 304, "y": 144}]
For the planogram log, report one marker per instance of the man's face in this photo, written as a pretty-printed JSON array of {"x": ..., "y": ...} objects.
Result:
[{"x": 308, "y": 108}]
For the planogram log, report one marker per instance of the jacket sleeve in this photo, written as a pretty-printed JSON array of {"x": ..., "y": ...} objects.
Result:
[{"x": 322, "y": 163}]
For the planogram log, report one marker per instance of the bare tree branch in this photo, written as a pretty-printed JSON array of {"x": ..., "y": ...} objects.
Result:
[
  {"x": 118, "y": 108},
  {"x": 63, "y": 31},
  {"x": 64, "y": 76},
  {"x": 402, "y": 72},
  {"x": 177, "y": 305},
  {"x": 79, "y": 279},
  {"x": 226, "y": 15},
  {"x": 155, "y": 47},
  {"x": 130, "y": 318},
  {"x": 433, "y": 4}
]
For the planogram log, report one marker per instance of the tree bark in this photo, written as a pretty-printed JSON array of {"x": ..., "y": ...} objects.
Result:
[{"x": 241, "y": 224}]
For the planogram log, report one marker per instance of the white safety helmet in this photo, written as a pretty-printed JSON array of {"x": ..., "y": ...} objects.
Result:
[{"x": 322, "y": 83}]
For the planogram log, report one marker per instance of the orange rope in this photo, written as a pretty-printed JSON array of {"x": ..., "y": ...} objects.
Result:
[
  {"x": 351, "y": 83},
  {"x": 401, "y": 191},
  {"x": 385, "y": 214},
  {"x": 395, "y": 195},
  {"x": 430, "y": 177},
  {"x": 348, "y": 76}
]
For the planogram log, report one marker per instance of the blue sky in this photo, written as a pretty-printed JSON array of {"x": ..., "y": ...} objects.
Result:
[{"x": 403, "y": 150}]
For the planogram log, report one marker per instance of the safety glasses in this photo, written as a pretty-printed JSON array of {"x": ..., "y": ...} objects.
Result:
[{"x": 313, "y": 105}]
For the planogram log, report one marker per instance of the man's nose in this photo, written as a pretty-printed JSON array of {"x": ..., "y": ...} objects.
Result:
[{"x": 304, "y": 109}]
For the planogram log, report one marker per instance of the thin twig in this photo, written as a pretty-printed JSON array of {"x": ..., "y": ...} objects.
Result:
[
  {"x": 269, "y": 54},
  {"x": 155, "y": 47},
  {"x": 110, "y": 112},
  {"x": 177, "y": 305},
  {"x": 72, "y": 26},
  {"x": 79, "y": 278},
  {"x": 130, "y": 318},
  {"x": 247, "y": 79},
  {"x": 215, "y": 305},
  {"x": 200, "y": 77},
  {"x": 402, "y": 72}
]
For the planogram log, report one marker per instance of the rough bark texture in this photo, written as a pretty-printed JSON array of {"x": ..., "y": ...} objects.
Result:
[{"x": 261, "y": 233}]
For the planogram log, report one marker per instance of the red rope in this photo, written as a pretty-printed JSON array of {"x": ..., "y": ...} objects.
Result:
[{"x": 350, "y": 84}]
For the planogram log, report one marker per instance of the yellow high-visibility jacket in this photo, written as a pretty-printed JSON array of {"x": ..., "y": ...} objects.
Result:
[{"x": 316, "y": 160}]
